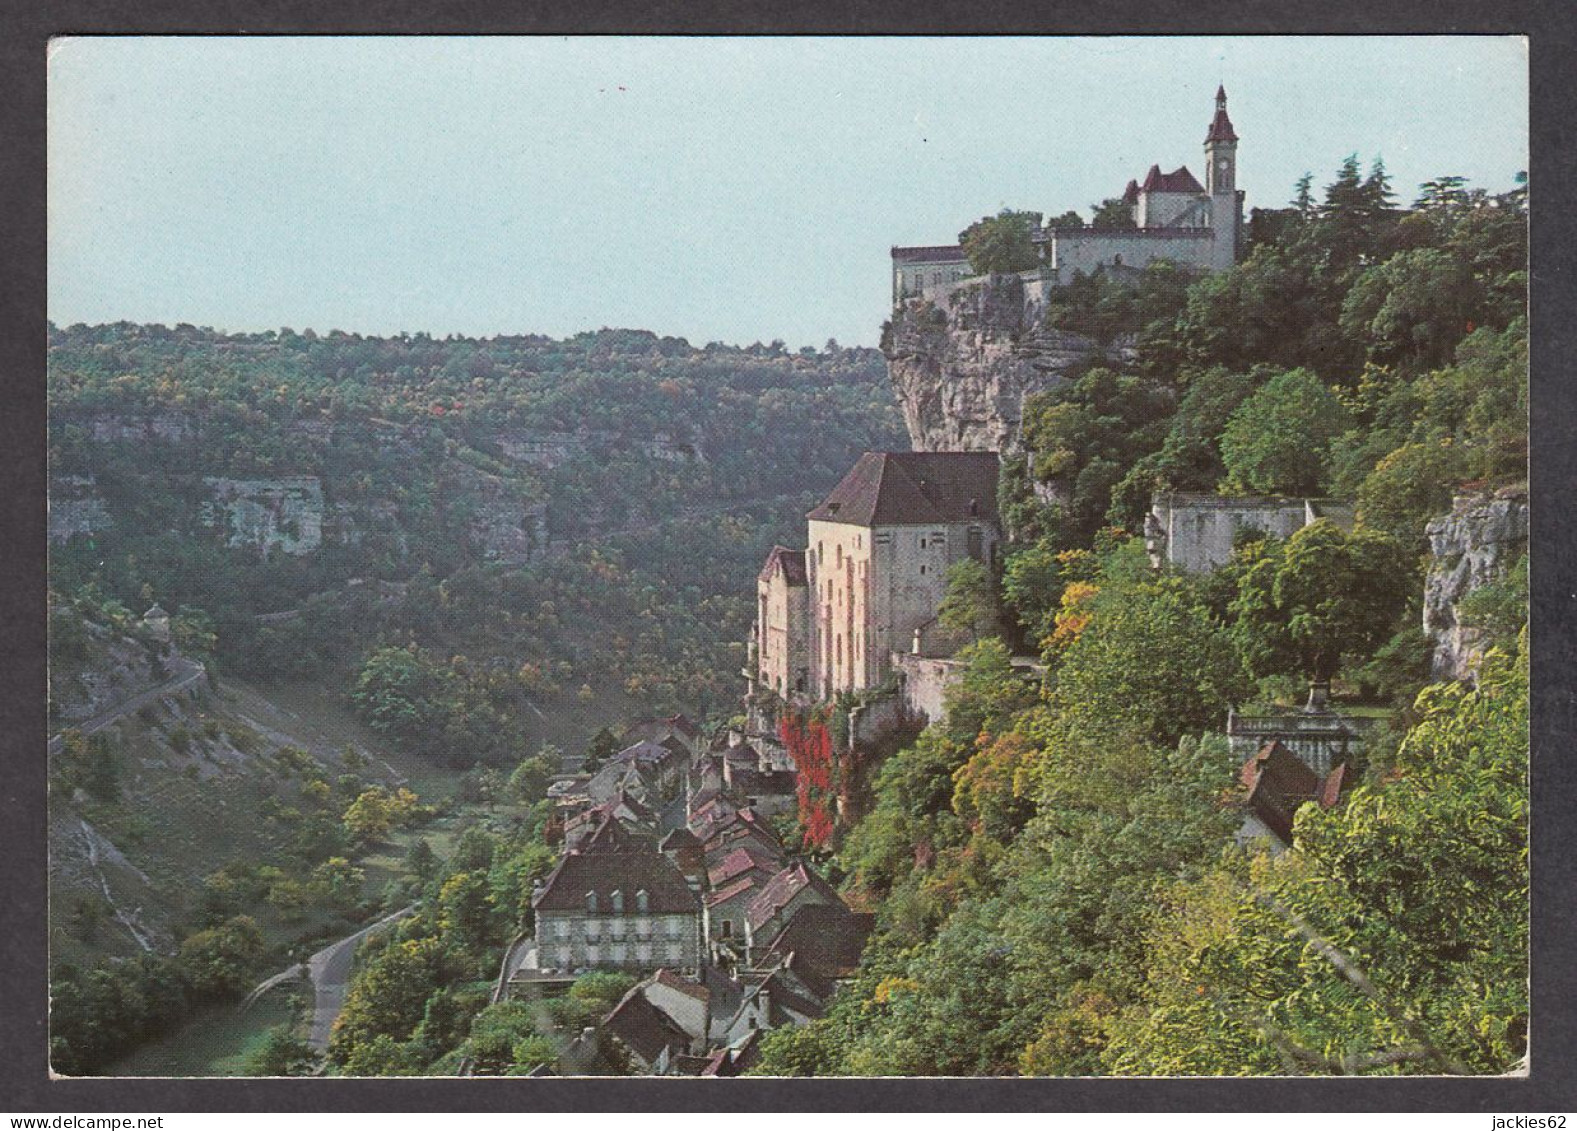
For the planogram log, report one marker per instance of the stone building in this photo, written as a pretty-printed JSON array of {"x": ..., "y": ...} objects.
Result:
[
  {"x": 616, "y": 903},
  {"x": 880, "y": 547},
  {"x": 1174, "y": 218},
  {"x": 782, "y": 614},
  {"x": 1196, "y": 532},
  {"x": 917, "y": 268}
]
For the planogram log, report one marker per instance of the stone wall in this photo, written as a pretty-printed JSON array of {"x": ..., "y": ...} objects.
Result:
[{"x": 1477, "y": 543}]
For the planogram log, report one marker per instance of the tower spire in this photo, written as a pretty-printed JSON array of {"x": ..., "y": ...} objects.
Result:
[{"x": 1221, "y": 125}]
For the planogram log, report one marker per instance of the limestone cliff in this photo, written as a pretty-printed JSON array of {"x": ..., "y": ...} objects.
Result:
[
  {"x": 1472, "y": 546},
  {"x": 962, "y": 366}
]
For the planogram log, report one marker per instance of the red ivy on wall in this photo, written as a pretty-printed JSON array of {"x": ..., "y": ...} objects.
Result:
[{"x": 810, "y": 744}]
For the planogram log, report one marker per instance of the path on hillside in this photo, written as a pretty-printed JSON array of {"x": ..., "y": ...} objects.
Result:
[
  {"x": 329, "y": 970},
  {"x": 187, "y": 672}
]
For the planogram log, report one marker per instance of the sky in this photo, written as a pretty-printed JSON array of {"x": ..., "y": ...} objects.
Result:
[{"x": 735, "y": 190}]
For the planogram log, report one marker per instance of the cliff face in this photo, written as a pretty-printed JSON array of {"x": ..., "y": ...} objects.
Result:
[
  {"x": 1472, "y": 546},
  {"x": 961, "y": 367}
]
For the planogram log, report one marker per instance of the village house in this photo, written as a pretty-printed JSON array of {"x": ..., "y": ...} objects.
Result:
[
  {"x": 1170, "y": 216},
  {"x": 1278, "y": 784},
  {"x": 616, "y": 902}
]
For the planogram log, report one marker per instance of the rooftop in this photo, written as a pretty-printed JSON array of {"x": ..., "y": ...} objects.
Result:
[{"x": 914, "y": 489}]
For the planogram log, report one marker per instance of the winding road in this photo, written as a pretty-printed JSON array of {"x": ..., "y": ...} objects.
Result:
[
  {"x": 329, "y": 970},
  {"x": 185, "y": 673}
]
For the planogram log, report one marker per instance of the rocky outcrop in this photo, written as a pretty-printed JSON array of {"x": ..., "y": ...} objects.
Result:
[
  {"x": 962, "y": 367},
  {"x": 76, "y": 508},
  {"x": 267, "y": 514},
  {"x": 1477, "y": 543}
]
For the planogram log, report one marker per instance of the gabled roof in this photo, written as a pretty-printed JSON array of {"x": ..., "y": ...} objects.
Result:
[
  {"x": 914, "y": 489},
  {"x": 1178, "y": 180},
  {"x": 613, "y": 860},
  {"x": 1279, "y": 784},
  {"x": 790, "y": 562},
  {"x": 673, "y": 981},
  {"x": 679, "y": 838},
  {"x": 644, "y": 1029},
  {"x": 825, "y": 939},
  {"x": 781, "y": 889},
  {"x": 732, "y": 889},
  {"x": 741, "y": 860}
]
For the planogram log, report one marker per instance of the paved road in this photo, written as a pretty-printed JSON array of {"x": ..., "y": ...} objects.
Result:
[
  {"x": 185, "y": 673},
  {"x": 329, "y": 970}
]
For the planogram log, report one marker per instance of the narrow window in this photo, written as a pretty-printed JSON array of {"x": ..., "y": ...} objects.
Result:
[
  {"x": 642, "y": 902},
  {"x": 617, "y": 902}
]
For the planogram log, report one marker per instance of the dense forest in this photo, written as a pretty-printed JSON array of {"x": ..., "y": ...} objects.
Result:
[
  {"x": 1053, "y": 866},
  {"x": 570, "y": 524}
]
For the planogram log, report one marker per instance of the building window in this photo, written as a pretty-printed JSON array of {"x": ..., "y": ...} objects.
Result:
[
  {"x": 616, "y": 903},
  {"x": 642, "y": 901},
  {"x": 675, "y": 952},
  {"x": 564, "y": 958},
  {"x": 561, "y": 928},
  {"x": 591, "y": 902},
  {"x": 675, "y": 927}
]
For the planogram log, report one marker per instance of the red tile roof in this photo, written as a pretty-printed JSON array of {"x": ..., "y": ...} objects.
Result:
[
  {"x": 913, "y": 489},
  {"x": 1221, "y": 125},
  {"x": 781, "y": 889},
  {"x": 1178, "y": 180}
]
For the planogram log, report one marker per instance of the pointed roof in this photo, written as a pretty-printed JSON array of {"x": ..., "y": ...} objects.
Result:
[
  {"x": 1131, "y": 193},
  {"x": 914, "y": 489},
  {"x": 1178, "y": 180},
  {"x": 1221, "y": 125}
]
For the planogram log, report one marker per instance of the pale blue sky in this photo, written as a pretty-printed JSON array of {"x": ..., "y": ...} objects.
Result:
[{"x": 731, "y": 189}]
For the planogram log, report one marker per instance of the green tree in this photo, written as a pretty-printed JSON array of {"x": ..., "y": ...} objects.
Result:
[
  {"x": 1002, "y": 243},
  {"x": 222, "y": 961},
  {"x": 282, "y": 1053},
  {"x": 1278, "y": 441},
  {"x": 971, "y": 603}
]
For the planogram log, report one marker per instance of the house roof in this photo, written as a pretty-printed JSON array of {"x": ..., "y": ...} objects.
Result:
[
  {"x": 741, "y": 860},
  {"x": 790, "y": 562},
  {"x": 652, "y": 726},
  {"x": 673, "y": 981},
  {"x": 732, "y": 889},
  {"x": 781, "y": 889},
  {"x": 913, "y": 489},
  {"x": 943, "y": 253},
  {"x": 612, "y": 860},
  {"x": 826, "y": 939},
  {"x": 1178, "y": 180},
  {"x": 1131, "y": 193},
  {"x": 679, "y": 838},
  {"x": 644, "y": 1029},
  {"x": 1279, "y": 784}
]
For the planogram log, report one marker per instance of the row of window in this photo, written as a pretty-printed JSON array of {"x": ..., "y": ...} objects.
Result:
[
  {"x": 619, "y": 954},
  {"x": 616, "y": 902},
  {"x": 615, "y": 928}
]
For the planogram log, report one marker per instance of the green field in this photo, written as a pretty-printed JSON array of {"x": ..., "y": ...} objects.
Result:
[{"x": 215, "y": 1042}]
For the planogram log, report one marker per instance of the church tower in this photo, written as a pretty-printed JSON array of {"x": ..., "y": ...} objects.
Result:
[
  {"x": 1226, "y": 201},
  {"x": 1221, "y": 150}
]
